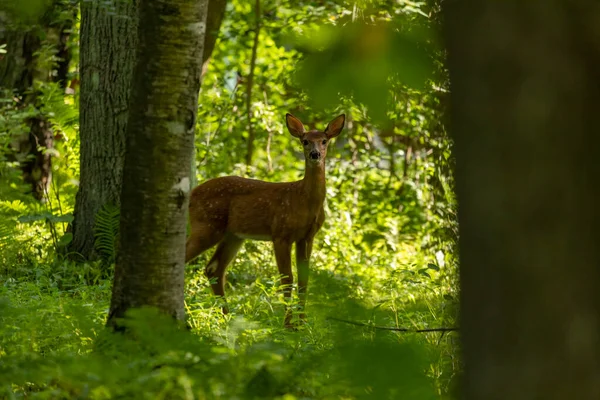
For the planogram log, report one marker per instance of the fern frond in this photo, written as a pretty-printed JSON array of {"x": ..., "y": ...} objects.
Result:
[
  {"x": 106, "y": 231},
  {"x": 13, "y": 208},
  {"x": 63, "y": 115}
]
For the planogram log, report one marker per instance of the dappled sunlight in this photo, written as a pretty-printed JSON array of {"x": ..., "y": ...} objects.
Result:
[{"x": 383, "y": 265}]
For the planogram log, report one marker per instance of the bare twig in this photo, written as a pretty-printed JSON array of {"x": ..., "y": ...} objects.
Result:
[
  {"x": 269, "y": 160},
  {"x": 407, "y": 156},
  {"x": 269, "y": 138},
  {"x": 250, "y": 82},
  {"x": 390, "y": 328}
]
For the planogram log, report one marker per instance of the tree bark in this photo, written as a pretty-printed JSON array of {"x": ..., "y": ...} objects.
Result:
[
  {"x": 525, "y": 95},
  {"x": 160, "y": 139},
  {"x": 20, "y": 68},
  {"x": 250, "y": 84},
  {"x": 214, "y": 18},
  {"x": 107, "y": 59},
  {"x": 108, "y": 43},
  {"x": 16, "y": 69}
]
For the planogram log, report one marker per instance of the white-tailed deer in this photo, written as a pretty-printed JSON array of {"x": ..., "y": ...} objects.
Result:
[{"x": 225, "y": 211}]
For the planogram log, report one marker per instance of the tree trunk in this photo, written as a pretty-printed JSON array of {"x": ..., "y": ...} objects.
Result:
[
  {"x": 18, "y": 71},
  {"x": 108, "y": 42},
  {"x": 214, "y": 18},
  {"x": 19, "y": 68},
  {"x": 160, "y": 139},
  {"x": 107, "y": 58},
  {"x": 525, "y": 92}
]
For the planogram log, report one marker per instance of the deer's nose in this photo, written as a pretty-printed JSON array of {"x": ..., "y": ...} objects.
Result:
[{"x": 315, "y": 155}]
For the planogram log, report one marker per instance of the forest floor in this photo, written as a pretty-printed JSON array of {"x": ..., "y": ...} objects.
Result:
[{"x": 53, "y": 343}]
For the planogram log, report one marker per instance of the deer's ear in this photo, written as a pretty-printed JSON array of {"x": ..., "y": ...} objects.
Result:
[
  {"x": 335, "y": 127},
  {"x": 294, "y": 125}
]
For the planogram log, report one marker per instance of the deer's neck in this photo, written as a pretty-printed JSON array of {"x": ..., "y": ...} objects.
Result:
[{"x": 313, "y": 183}]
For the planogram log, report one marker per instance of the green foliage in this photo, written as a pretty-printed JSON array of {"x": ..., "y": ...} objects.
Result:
[
  {"x": 31, "y": 232},
  {"x": 59, "y": 109},
  {"x": 53, "y": 344},
  {"x": 106, "y": 230},
  {"x": 52, "y": 219},
  {"x": 28, "y": 11},
  {"x": 385, "y": 257},
  {"x": 362, "y": 58}
]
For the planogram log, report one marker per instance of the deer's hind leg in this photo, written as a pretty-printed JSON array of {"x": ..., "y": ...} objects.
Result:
[
  {"x": 216, "y": 267},
  {"x": 202, "y": 238}
]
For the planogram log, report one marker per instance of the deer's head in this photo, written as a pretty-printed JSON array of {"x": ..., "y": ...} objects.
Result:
[{"x": 315, "y": 142}]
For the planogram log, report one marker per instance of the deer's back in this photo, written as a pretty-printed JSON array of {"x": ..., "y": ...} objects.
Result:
[{"x": 254, "y": 209}]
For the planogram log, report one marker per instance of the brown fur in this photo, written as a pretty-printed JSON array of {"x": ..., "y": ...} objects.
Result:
[{"x": 225, "y": 211}]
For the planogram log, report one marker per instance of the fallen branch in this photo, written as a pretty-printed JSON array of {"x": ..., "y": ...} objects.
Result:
[{"x": 390, "y": 328}]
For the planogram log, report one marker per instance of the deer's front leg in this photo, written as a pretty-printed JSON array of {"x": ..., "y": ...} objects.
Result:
[
  {"x": 303, "y": 251},
  {"x": 283, "y": 256}
]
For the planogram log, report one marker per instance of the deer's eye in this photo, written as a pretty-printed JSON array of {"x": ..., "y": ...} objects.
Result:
[
  {"x": 305, "y": 142},
  {"x": 324, "y": 141}
]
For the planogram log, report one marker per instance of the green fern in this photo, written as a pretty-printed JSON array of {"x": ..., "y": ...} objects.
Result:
[
  {"x": 61, "y": 110},
  {"x": 12, "y": 208},
  {"x": 106, "y": 231}
]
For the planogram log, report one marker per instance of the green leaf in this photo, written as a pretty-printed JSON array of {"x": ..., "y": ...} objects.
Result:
[
  {"x": 433, "y": 266},
  {"x": 34, "y": 217},
  {"x": 424, "y": 272},
  {"x": 61, "y": 218},
  {"x": 65, "y": 239},
  {"x": 45, "y": 216}
]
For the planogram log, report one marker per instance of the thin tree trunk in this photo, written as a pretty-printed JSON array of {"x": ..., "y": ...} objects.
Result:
[
  {"x": 160, "y": 139},
  {"x": 214, "y": 18},
  {"x": 37, "y": 168},
  {"x": 524, "y": 114},
  {"x": 250, "y": 84},
  {"x": 108, "y": 45}
]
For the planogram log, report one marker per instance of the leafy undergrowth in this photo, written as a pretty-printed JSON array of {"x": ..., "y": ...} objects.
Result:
[
  {"x": 53, "y": 343},
  {"x": 384, "y": 258},
  {"x": 372, "y": 266}
]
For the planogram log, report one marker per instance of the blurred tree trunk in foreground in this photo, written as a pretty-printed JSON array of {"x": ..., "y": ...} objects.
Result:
[
  {"x": 156, "y": 174},
  {"x": 525, "y": 79},
  {"x": 108, "y": 43}
]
